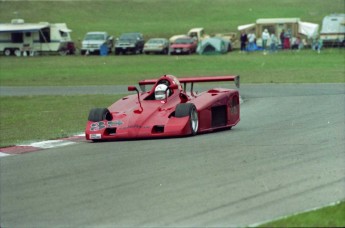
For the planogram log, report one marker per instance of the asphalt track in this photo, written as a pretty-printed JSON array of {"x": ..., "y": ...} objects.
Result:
[{"x": 285, "y": 156}]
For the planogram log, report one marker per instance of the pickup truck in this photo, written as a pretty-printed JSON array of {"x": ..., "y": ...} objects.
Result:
[
  {"x": 93, "y": 42},
  {"x": 129, "y": 42}
]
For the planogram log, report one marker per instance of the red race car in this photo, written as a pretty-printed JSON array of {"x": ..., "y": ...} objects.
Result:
[{"x": 166, "y": 110}]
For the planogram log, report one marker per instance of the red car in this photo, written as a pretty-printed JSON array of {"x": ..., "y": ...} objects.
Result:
[
  {"x": 166, "y": 110},
  {"x": 183, "y": 45}
]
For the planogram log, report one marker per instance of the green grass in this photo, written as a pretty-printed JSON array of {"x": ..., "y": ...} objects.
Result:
[
  {"x": 332, "y": 216},
  {"x": 34, "y": 118},
  {"x": 282, "y": 67}
]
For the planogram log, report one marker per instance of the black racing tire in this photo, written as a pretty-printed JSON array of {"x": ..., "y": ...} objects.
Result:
[
  {"x": 188, "y": 109},
  {"x": 99, "y": 114}
]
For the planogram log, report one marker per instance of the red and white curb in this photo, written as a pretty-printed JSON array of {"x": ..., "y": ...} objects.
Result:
[{"x": 36, "y": 146}]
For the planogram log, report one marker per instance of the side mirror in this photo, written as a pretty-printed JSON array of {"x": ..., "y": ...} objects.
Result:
[{"x": 132, "y": 88}]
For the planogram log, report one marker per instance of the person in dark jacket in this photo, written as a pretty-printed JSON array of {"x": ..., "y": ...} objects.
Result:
[
  {"x": 282, "y": 38},
  {"x": 244, "y": 40}
]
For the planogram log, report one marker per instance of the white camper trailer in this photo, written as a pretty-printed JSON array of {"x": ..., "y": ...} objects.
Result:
[
  {"x": 333, "y": 30},
  {"x": 17, "y": 38}
]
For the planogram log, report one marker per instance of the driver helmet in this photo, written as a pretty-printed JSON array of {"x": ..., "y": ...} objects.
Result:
[{"x": 161, "y": 91}]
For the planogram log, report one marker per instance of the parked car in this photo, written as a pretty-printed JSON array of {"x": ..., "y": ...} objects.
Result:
[
  {"x": 183, "y": 45},
  {"x": 156, "y": 45},
  {"x": 129, "y": 42},
  {"x": 93, "y": 42}
]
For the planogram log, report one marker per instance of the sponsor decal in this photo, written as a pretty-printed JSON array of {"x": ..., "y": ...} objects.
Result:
[
  {"x": 135, "y": 126},
  {"x": 104, "y": 124},
  {"x": 97, "y": 126},
  {"x": 95, "y": 136},
  {"x": 114, "y": 123}
]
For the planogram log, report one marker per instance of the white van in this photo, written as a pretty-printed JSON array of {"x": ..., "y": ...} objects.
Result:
[{"x": 18, "y": 37}]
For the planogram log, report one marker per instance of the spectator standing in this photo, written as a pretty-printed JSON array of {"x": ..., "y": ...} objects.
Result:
[
  {"x": 314, "y": 43},
  {"x": 287, "y": 37},
  {"x": 319, "y": 45},
  {"x": 244, "y": 39},
  {"x": 251, "y": 40},
  {"x": 265, "y": 36},
  {"x": 274, "y": 42},
  {"x": 297, "y": 44},
  {"x": 282, "y": 38}
]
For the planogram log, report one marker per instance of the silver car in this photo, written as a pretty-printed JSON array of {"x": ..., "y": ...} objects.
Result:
[{"x": 156, "y": 45}]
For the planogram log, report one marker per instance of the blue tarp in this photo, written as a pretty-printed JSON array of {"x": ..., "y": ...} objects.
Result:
[
  {"x": 253, "y": 47},
  {"x": 103, "y": 50}
]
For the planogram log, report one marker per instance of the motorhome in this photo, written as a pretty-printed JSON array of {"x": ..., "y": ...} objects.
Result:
[
  {"x": 333, "y": 30},
  {"x": 20, "y": 38}
]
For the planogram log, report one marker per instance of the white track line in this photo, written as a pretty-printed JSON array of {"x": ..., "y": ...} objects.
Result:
[
  {"x": 3, "y": 154},
  {"x": 50, "y": 144}
]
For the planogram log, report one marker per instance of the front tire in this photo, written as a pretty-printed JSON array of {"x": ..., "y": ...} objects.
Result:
[
  {"x": 99, "y": 114},
  {"x": 188, "y": 109},
  {"x": 165, "y": 51}
]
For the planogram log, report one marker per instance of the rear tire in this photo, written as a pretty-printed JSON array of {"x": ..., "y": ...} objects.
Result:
[
  {"x": 188, "y": 109},
  {"x": 99, "y": 114}
]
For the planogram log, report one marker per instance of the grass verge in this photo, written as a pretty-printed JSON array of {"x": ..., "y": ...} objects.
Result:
[
  {"x": 32, "y": 118},
  {"x": 305, "y": 66},
  {"x": 332, "y": 216}
]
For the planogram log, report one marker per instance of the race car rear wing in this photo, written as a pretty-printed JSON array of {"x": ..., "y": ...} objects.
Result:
[{"x": 235, "y": 78}]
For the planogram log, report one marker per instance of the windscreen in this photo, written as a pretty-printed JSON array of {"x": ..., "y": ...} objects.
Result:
[{"x": 94, "y": 37}]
